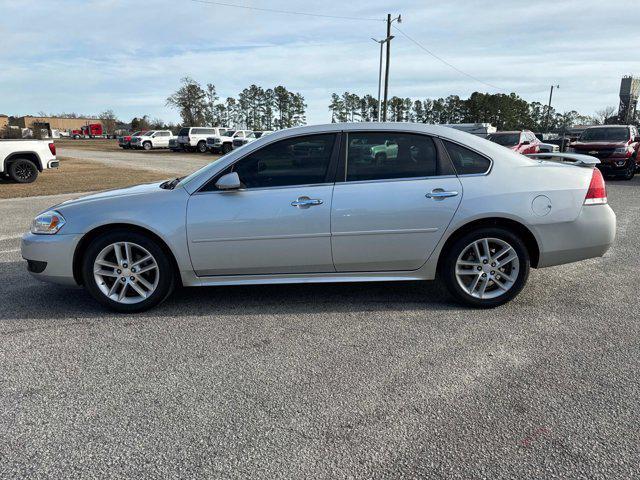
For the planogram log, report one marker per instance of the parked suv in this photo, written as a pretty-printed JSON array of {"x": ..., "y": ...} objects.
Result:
[
  {"x": 240, "y": 141},
  {"x": 616, "y": 146},
  {"x": 195, "y": 138},
  {"x": 522, "y": 142},
  {"x": 224, "y": 143}
]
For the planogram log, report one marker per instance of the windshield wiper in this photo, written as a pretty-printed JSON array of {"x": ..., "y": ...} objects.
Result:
[{"x": 171, "y": 184}]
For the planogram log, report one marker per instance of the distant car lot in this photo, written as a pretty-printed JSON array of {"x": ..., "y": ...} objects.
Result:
[{"x": 367, "y": 380}]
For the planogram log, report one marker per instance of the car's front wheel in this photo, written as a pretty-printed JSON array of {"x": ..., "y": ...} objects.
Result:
[
  {"x": 147, "y": 145},
  {"x": 127, "y": 271},
  {"x": 202, "y": 146},
  {"x": 630, "y": 169},
  {"x": 486, "y": 268}
]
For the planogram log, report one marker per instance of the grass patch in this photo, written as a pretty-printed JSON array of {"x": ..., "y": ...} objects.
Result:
[{"x": 79, "y": 176}]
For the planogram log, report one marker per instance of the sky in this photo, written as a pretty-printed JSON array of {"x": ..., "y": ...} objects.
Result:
[{"x": 87, "y": 56}]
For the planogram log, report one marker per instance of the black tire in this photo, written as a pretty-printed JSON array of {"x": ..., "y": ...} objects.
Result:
[
  {"x": 202, "y": 146},
  {"x": 630, "y": 169},
  {"x": 23, "y": 171},
  {"x": 147, "y": 146},
  {"x": 447, "y": 269},
  {"x": 226, "y": 148},
  {"x": 166, "y": 271}
]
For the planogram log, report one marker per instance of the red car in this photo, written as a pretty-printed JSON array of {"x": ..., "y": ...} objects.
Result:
[
  {"x": 522, "y": 142},
  {"x": 616, "y": 146}
]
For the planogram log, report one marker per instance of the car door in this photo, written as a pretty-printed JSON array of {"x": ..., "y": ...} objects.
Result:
[
  {"x": 277, "y": 222},
  {"x": 162, "y": 139},
  {"x": 389, "y": 212}
]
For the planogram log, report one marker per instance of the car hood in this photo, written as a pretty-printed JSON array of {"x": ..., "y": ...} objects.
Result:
[
  {"x": 597, "y": 145},
  {"x": 120, "y": 192}
]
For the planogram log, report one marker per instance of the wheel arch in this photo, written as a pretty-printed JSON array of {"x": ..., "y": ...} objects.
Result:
[
  {"x": 91, "y": 235},
  {"x": 514, "y": 226},
  {"x": 33, "y": 157}
]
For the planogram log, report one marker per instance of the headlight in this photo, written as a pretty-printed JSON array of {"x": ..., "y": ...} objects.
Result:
[{"x": 48, "y": 223}]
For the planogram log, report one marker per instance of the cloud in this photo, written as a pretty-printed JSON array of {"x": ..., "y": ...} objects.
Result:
[{"x": 87, "y": 56}]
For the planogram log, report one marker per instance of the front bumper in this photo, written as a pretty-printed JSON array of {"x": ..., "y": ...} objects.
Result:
[
  {"x": 56, "y": 251},
  {"x": 588, "y": 236}
]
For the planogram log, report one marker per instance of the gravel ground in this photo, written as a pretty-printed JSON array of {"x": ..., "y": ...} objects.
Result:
[
  {"x": 179, "y": 163},
  {"x": 326, "y": 381}
]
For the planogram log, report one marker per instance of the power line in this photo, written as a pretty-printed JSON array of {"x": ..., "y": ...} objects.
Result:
[
  {"x": 287, "y": 12},
  {"x": 422, "y": 47}
]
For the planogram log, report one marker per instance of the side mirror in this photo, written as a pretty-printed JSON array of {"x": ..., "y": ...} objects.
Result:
[
  {"x": 230, "y": 181},
  {"x": 526, "y": 142},
  {"x": 637, "y": 138}
]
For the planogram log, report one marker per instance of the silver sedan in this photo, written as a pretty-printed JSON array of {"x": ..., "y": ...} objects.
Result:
[{"x": 333, "y": 203}]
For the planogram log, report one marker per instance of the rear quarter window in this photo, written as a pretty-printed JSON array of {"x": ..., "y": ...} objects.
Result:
[{"x": 465, "y": 161}]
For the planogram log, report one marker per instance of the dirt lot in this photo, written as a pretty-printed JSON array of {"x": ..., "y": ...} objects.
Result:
[
  {"x": 96, "y": 144},
  {"x": 76, "y": 175}
]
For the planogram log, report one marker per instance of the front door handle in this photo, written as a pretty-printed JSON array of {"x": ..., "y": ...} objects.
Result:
[
  {"x": 440, "y": 194},
  {"x": 306, "y": 202}
]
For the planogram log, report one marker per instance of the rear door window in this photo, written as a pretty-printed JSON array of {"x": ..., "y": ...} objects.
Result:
[{"x": 391, "y": 155}]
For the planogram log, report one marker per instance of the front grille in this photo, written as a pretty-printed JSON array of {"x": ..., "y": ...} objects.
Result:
[{"x": 598, "y": 153}]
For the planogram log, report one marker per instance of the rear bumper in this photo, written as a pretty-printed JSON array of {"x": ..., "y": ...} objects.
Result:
[
  {"x": 55, "y": 251},
  {"x": 589, "y": 236}
]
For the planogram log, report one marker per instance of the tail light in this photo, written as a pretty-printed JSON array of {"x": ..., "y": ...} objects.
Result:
[
  {"x": 52, "y": 148},
  {"x": 597, "y": 193}
]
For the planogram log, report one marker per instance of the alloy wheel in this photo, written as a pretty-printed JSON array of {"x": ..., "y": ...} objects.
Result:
[
  {"x": 126, "y": 273},
  {"x": 23, "y": 171},
  {"x": 487, "y": 268}
]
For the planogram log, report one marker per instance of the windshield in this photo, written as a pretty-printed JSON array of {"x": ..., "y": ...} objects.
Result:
[
  {"x": 505, "y": 139},
  {"x": 183, "y": 132},
  {"x": 609, "y": 134},
  {"x": 229, "y": 133},
  {"x": 150, "y": 132}
]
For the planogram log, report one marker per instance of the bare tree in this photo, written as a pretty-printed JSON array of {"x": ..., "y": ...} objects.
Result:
[
  {"x": 603, "y": 115},
  {"x": 109, "y": 120}
]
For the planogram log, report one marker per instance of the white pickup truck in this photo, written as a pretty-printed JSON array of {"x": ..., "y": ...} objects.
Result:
[{"x": 22, "y": 160}]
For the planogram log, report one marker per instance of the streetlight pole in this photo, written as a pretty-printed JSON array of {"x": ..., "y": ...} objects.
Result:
[
  {"x": 386, "y": 68},
  {"x": 381, "y": 42},
  {"x": 546, "y": 122}
]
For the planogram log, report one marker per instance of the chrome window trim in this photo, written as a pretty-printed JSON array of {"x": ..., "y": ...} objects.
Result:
[
  {"x": 403, "y": 179},
  {"x": 473, "y": 150},
  {"x": 306, "y": 185}
]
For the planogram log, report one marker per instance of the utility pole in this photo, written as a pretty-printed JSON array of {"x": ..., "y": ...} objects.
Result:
[
  {"x": 546, "y": 122},
  {"x": 386, "y": 68},
  {"x": 381, "y": 42}
]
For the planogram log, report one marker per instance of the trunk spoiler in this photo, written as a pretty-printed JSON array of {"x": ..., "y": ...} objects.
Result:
[{"x": 571, "y": 158}]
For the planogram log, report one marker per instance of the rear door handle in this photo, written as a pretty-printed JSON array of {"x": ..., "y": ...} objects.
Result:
[
  {"x": 440, "y": 194},
  {"x": 306, "y": 202}
]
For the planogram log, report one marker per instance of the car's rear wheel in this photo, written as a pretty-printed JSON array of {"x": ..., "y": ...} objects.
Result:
[
  {"x": 127, "y": 271},
  {"x": 486, "y": 268},
  {"x": 23, "y": 171}
]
